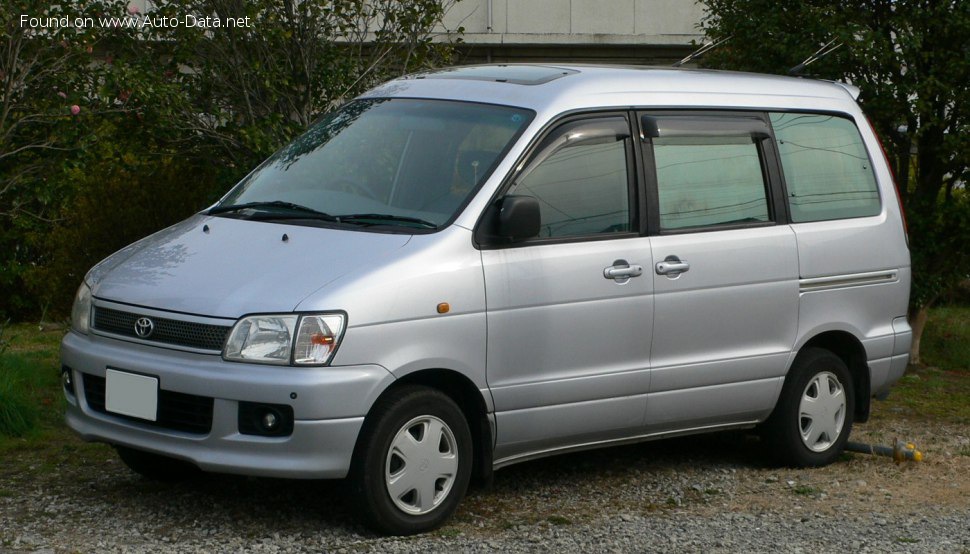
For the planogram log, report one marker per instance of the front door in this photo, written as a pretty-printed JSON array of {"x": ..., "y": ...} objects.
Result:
[{"x": 569, "y": 312}]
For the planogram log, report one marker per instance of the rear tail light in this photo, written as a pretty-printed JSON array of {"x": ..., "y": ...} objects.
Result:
[{"x": 892, "y": 173}]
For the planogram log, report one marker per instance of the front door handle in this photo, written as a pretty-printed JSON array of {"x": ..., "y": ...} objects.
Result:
[
  {"x": 621, "y": 271},
  {"x": 672, "y": 266}
]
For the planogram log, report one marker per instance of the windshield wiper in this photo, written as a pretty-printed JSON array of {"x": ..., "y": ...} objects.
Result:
[
  {"x": 364, "y": 219},
  {"x": 302, "y": 212}
]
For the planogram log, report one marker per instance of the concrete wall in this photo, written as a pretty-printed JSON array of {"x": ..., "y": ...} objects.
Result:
[
  {"x": 628, "y": 31},
  {"x": 667, "y": 22},
  {"x": 625, "y": 31}
]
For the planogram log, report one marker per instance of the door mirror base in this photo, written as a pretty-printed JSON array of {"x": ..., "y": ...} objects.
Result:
[
  {"x": 519, "y": 218},
  {"x": 512, "y": 219}
]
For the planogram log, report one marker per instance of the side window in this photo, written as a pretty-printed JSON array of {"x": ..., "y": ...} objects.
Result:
[
  {"x": 581, "y": 179},
  {"x": 827, "y": 170},
  {"x": 705, "y": 181}
]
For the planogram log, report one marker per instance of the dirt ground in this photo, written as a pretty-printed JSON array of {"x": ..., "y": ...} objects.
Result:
[
  {"x": 732, "y": 472},
  {"x": 716, "y": 490}
]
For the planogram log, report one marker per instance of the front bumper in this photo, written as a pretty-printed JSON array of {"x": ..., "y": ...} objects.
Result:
[{"x": 329, "y": 405}]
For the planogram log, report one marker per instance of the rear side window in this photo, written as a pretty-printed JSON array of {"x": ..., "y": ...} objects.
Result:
[
  {"x": 827, "y": 169},
  {"x": 709, "y": 181}
]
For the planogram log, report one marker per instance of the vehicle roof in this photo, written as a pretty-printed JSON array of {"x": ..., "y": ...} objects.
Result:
[{"x": 564, "y": 87}]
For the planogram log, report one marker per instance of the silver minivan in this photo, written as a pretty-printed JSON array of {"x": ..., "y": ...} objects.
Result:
[{"x": 472, "y": 267}]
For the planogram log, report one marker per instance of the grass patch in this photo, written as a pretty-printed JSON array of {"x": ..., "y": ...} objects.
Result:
[
  {"x": 18, "y": 414},
  {"x": 31, "y": 401},
  {"x": 805, "y": 490},
  {"x": 559, "y": 520},
  {"x": 946, "y": 340},
  {"x": 929, "y": 393},
  {"x": 939, "y": 390}
]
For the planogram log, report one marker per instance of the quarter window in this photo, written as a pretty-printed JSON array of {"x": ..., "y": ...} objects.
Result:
[
  {"x": 709, "y": 181},
  {"x": 827, "y": 170}
]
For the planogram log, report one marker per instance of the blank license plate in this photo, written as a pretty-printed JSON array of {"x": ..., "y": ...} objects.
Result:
[{"x": 131, "y": 395}]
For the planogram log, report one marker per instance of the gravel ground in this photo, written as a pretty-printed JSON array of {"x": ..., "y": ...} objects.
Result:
[{"x": 712, "y": 493}]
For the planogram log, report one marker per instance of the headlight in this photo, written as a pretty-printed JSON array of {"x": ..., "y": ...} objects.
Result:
[
  {"x": 264, "y": 339},
  {"x": 284, "y": 339},
  {"x": 81, "y": 311}
]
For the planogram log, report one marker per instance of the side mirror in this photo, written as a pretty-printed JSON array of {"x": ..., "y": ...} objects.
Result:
[{"x": 518, "y": 218}]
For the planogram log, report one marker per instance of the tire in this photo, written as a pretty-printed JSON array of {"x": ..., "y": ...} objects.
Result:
[
  {"x": 157, "y": 467},
  {"x": 813, "y": 418},
  {"x": 413, "y": 462}
]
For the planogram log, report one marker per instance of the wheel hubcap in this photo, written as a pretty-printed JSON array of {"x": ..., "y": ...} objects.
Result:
[
  {"x": 421, "y": 465},
  {"x": 821, "y": 412}
]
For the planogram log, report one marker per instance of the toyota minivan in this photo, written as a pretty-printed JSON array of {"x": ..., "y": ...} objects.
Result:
[{"x": 471, "y": 267}]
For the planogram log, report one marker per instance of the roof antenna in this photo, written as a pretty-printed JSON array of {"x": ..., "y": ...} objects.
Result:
[
  {"x": 704, "y": 49},
  {"x": 825, "y": 50}
]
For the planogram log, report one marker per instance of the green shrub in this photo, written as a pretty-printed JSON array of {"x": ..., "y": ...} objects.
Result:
[{"x": 118, "y": 200}]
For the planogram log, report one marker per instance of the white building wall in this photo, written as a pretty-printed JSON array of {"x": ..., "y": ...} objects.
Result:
[
  {"x": 629, "y": 31},
  {"x": 577, "y": 22}
]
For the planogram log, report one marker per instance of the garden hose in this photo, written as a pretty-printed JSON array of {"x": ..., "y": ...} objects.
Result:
[{"x": 899, "y": 451}]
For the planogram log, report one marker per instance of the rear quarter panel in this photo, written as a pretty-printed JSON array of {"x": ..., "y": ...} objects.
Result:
[{"x": 850, "y": 248}]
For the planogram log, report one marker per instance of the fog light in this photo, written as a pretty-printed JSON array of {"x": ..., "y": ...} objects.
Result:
[
  {"x": 266, "y": 420},
  {"x": 270, "y": 421},
  {"x": 67, "y": 380}
]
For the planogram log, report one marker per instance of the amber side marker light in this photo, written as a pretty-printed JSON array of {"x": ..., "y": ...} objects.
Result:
[{"x": 444, "y": 308}]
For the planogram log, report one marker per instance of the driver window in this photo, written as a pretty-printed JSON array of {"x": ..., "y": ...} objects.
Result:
[{"x": 582, "y": 188}]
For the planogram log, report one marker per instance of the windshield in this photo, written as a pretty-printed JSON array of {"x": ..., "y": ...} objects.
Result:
[{"x": 378, "y": 163}]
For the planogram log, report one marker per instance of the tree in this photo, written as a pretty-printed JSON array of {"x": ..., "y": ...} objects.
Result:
[
  {"x": 911, "y": 60},
  {"x": 109, "y": 131},
  {"x": 48, "y": 86},
  {"x": 257, "y": 85}
]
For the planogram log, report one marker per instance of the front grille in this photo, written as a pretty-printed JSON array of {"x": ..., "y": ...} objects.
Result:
[
  {"x": 169, "y": 331},
  {"x": 177, "y": 411}
]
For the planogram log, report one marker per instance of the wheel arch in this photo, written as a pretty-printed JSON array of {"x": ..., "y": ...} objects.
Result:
[
  {"x": 846, "y": 346},
  {"x": 469, "y": 399}
]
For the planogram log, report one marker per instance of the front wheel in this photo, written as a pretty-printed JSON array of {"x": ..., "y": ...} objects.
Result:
[
  {"x": 813, "y": 418},
  {"x": 413, "y": 463}
]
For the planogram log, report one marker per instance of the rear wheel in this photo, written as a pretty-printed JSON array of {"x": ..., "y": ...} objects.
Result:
[
  {"x": 813, "y": 418},
  {"x": 414, "y": 461},
  {"x": 156, "y": 467}
]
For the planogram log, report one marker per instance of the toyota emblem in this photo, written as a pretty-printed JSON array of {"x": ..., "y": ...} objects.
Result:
[{"x": 144, "y": 327}]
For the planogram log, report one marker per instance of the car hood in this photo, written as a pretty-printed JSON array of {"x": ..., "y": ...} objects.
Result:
[{"x": 223, "y": 267}]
